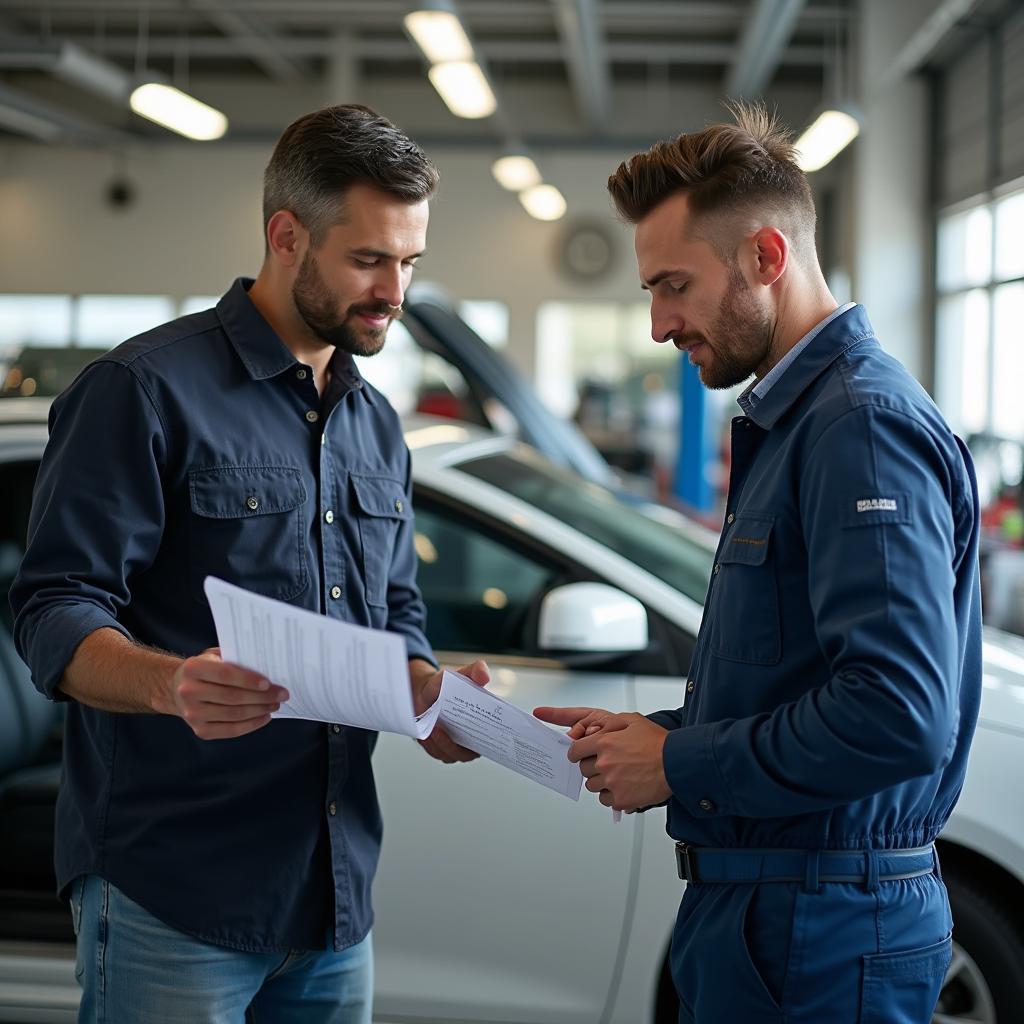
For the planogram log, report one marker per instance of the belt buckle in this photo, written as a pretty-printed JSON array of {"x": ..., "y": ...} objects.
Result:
[{"x": 685, "y": 867}]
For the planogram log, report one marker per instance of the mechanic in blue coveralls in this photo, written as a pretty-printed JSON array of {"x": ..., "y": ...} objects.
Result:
[{"x": 835, "y": 683}]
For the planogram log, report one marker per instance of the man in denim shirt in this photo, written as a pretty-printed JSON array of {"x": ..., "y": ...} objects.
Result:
[
  {"x": 219, "y": 863},
  {"x": 835, "y": 683}
]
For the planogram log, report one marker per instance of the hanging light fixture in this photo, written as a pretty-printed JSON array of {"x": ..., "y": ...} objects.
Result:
[
  {"x": 837, "y": 122},
  {"x": 544, "y": 202},
  {"x": 830, "y": 133},
  {"x": 455, "y": 71},
  {"x": 515, "y": 172},
  {"x": 178, "y": 111}
]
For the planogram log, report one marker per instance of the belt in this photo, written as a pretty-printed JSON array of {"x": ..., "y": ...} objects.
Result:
[{"x": 702, "y": 864}]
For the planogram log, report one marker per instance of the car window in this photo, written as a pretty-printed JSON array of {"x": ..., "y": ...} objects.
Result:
[
  {"x": 479, "y": 589},
  {"x": 661, "y": 549}
]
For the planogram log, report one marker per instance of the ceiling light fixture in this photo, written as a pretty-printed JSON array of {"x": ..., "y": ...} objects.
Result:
[
  {"x": 464, "y": 88},
  {"x": 832, "y": 131},
  {"x": 544, "y": 202},
  {"x": 440, "y": 35},
  {"x": 515, "y": 172},
  {"x": 178, "y": 111}
]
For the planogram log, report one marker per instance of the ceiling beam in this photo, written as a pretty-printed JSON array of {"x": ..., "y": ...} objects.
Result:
[
  {"x": 927, "y": 38},
  {"x": 763, "y": 40},
  {"x": 662, "y": 51},
  {"x": 26, "y": 115},
  {"x": 255, "y": 42},
  {"x": 583, "y": 42}
]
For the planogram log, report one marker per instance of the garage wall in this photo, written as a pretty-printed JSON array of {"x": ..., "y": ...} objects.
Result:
[{"x": 195, "y": 221}]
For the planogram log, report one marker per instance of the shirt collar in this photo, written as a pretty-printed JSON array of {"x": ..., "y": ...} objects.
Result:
[
  {"x": 262, "y": 351},
  {"x": 838, "y": 332}
]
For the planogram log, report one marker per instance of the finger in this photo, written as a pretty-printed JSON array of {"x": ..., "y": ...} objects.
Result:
[
  {"x": 478, "y": 672},
  {"x": 563, "y": 716},
  {"x": 448, "y": 750},
  {"x": 588, "y": 766},
  {"x": 585, "y": 748},
  {"x": 213, "y": 713},
  {"x": 229, "y": 730},
  {"x": 606, "y": 798},
  {"x": 213, "y": 670},
  {"x": 218, "y": 693},
  {"x": 596, "y": 784}
]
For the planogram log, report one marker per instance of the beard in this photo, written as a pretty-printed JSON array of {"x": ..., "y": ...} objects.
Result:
[
  {"x": 740, "y": 338},
  {"x": 319, "y": 308}
]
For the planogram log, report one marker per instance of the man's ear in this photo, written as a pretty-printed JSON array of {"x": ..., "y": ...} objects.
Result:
[
  {"x": 287, "y": 239},
  {"x": 768, "y": 253}
]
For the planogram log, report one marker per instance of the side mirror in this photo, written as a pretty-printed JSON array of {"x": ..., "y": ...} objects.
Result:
[{"x": 591, "y": 618}]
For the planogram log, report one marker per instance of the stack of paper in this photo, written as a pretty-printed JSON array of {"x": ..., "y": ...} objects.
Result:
[{"x": 352, "y": 675}]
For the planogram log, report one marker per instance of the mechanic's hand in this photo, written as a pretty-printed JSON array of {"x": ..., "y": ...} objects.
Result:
[
  {"x": 620, "y": 755},
  {"x": 219, "y": 700},
  {"x": 426, "y": 686}
]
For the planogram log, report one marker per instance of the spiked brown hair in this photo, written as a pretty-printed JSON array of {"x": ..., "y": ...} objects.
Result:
[{"x": 729, "y": 172}]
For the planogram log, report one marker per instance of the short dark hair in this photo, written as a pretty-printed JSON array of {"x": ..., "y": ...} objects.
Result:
[
  {"x": 726, "y": 170},
  {"x": 324, "y": 153}
]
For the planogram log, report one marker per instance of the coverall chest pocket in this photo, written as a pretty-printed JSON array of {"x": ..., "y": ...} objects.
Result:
[
  {"x": 381, "y": 508},
  {"x": 247, "y": 528},
  {"x": 745, "y": 602}
]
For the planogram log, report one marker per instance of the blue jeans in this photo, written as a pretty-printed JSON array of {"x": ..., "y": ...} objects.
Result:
[{"x": 134, "y": 969}]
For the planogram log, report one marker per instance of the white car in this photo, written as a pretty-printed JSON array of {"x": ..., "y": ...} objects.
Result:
[{"x": 498, "y": 900}]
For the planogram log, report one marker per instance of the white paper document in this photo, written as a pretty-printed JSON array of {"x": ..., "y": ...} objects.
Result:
[
  {"x": 338, "y": 672},
  {"x": 333, "y": 671},
  {"x": 506, "y": 734}
]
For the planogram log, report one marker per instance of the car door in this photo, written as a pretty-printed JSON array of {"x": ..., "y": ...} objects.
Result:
[{"x": 497, "y": 899}]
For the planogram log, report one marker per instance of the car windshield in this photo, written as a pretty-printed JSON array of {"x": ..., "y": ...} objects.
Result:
[{"x": 664, "y": 551}]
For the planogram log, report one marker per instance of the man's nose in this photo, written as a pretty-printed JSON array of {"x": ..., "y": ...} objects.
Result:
[
  {"x": 389, "y": 287},
  {"x": 665, "y": 324}
]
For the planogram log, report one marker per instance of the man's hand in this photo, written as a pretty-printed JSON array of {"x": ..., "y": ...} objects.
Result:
[
  {"x": 218, "y": 700},
  {"x": 426, "y": 686},
  {"x": 620, "y": 755}
]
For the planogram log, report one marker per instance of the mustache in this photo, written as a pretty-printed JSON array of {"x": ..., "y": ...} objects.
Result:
[
  {"x": 685, "y": 337},
  {"x": 378, "y": 309}
]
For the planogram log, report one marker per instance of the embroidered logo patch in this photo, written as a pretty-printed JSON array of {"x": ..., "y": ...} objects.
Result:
[{"x": 876, "y": 505}]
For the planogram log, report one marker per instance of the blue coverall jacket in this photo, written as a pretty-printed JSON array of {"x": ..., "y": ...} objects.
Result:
[{"x": 834, "y": 688}]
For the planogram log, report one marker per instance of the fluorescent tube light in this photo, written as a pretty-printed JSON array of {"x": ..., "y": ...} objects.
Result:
[
  {"x": 464, "y": 88},
  {"x": 831, "y": 132},
  {"x": 178, "y": 111},
  {"x": 440, "y": 35},
  {"x": 544, "y": 202},
  {"x": 515, "y": 172}
]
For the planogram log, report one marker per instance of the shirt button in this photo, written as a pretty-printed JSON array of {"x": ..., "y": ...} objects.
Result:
[
  {"x": 398, "y": 505},
  {"x": 690, "y": 685},
  {"x": 336, "y": 728},
  {"x": 312, "y": 416},
  {"x": 328, "y": 516},
  {"x": 301, "y": 374},
  {"x": 335, "y": 592},
  {"x": 252, "y": 503},
  {"x": 704, "y": 805},
  {"x": 332, "y": 808},
  {"x": 730, "y": 518},
  {"x": 718, "y": 568}
]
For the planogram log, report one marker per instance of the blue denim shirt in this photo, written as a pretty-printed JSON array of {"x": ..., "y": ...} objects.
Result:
[
  {"x": 203, "y": 447},
  {"x": 835, "y": 684}
]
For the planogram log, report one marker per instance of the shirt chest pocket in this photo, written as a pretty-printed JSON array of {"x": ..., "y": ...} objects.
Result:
[
  {"x": 745, "y": 622},
  {"x": 381, "y": 507},
  {"x": 247, "y": 527}
]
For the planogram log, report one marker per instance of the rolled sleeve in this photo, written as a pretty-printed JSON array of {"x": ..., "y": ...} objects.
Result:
[{"x": 88, "y": 534}]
